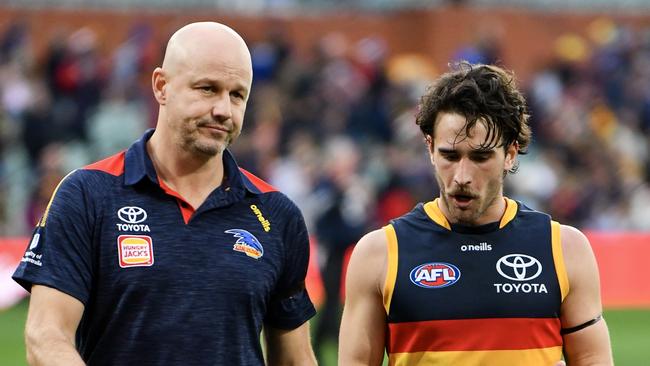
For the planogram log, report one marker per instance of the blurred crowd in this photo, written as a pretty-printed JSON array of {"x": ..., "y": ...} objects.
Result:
[
  {"x": 334, "y": 129},
  {"x": 590, "y": 161}
]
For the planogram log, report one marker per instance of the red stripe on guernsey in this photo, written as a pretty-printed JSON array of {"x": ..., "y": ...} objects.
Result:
[
  {"x": 113, "y": 165},
  {"x": 257, "y": 182},
  {"x": 474, "y": 334}
]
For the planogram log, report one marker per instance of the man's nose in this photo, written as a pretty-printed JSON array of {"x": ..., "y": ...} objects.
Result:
[
  {"x": 462, "y": 174},
  {"x": 221, "y": 107}
]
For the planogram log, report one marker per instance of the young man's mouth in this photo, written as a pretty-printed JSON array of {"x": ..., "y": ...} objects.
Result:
[{"x": 462, "y": 200}]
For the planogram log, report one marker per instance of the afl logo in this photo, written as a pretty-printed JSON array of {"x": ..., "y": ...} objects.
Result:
[
  {"x": 132, "y": 214},
  {"x": 519, "y": 267},
  {"x": 435, "y": 275}
]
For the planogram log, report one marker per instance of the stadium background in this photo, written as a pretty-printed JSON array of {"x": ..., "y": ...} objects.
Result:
[{"x": 330, "y": 121}]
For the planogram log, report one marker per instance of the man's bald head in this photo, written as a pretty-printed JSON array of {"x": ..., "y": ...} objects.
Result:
[
  {"x": 202, "y": 88},
  {"x": 196, "y": 41}
]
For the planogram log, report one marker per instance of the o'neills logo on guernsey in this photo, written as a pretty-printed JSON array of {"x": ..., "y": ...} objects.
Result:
[
  {"x": 135, "y": 250},
  {"x": 481, "y": 247}
]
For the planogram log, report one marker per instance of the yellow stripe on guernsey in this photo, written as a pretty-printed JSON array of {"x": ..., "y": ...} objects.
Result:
[
  {"x": 41, "y": 223},
  {"x": 509, "y": 215},
  {"x": 528, "y": 357},
  {"x": 433, "y": 211},
  {"x": 391, "y": 270},
  {"x": 558, "y": 259}
]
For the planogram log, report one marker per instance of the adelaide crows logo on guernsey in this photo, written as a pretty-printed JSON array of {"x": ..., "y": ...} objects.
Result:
[
  {"x": 246, "y": 243},
  {"x": 435, "y": 275}
]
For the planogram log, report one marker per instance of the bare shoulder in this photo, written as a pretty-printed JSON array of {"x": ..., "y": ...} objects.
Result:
[
  {"x": 373, "y": 244},
  {"x": 573, "y": 239},
  {"x": 369, "y": 258},
  {"x": 575, "y": 247}
]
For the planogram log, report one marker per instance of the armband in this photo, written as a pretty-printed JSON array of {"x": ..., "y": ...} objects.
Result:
[{"x": 584, "y": 325}]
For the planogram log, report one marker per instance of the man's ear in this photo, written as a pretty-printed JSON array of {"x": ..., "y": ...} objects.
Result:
[
  {"x": 159, "y": 85},
  {"x": 428, "y": 140},
  {"x": 511, "y": 156}
]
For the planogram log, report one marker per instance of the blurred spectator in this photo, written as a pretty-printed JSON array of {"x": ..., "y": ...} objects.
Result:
[
  {"x": 49, "y": 174},
  {"x": 486, "y": 46},
  {"x": 116, "y": 122},
  {"x": 344, "y": 202}
]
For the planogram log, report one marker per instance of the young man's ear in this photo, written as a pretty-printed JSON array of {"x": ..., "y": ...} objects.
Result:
[
  {"x": 511, "y": 156},
  {"x": 428, "y": 140},
  {"x": 159, "y": 84}
]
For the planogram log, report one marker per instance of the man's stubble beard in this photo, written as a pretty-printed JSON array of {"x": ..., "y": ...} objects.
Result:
[
  {"x": 191, "y": 141},
  {"x": 484, "y": 203}
]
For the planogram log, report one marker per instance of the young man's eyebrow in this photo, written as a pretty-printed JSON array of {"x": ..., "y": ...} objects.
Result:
[
  {"x": 446, "y": 150},
  {"x": 482, "y": 151}
]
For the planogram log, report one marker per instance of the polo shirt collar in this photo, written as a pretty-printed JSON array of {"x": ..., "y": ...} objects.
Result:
[{"x": 138, "y": 165}]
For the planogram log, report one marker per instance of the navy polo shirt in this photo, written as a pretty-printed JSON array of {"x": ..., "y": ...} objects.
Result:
[{"x": 162, "y": 283}]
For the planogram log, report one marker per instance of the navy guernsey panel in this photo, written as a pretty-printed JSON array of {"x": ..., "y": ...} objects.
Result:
[
  {"x": 163, "y": 284},
  {"x": 486, "y": 295}
]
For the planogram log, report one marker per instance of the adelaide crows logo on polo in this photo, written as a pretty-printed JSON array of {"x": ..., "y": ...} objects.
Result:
[
  {"x": 435, "y": 275},
  {"x": 246, "y": 243}
]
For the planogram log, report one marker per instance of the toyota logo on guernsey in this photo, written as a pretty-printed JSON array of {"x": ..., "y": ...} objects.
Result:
[
  {"x": 132, "y": 216},
  {"x": 519, "y": 268},
  {"x": 435, "y": 275}
]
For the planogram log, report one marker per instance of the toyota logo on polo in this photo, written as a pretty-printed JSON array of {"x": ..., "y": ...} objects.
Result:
[
  {"x": 132, "y": 214},
  {"x": 519, "y": 267}
]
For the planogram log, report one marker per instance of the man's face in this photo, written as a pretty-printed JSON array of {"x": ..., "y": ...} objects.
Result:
[
  {"x": 206, "y": 100},
  {"x": 470, "y": 177}
]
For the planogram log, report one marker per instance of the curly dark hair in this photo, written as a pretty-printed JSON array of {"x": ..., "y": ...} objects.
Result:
[{"x": 478, "y": 92}]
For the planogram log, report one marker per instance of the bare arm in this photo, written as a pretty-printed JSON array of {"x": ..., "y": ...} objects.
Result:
[
  {"x": 289, "y": 347},
  {"x": 589, "y": 346},
  {"x": 52, "y": 322},
  {"x": 363, "y": 328}
]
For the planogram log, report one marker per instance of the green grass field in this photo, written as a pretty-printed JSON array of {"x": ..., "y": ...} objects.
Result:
[{"x": 629, "y": 330}]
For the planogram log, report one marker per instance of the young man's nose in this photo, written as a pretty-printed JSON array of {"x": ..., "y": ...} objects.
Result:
[{"x": 462, "y": 173}]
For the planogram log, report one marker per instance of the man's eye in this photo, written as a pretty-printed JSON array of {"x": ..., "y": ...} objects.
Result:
[
  {"x": 206, "y": 88},
  {"x": 450, "y": 157},
  {"x": 480, "y": 158},
  {"x": 237, "y": 95}
]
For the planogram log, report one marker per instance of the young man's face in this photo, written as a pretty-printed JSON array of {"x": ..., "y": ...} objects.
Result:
[{"x": 470, "y": 177}]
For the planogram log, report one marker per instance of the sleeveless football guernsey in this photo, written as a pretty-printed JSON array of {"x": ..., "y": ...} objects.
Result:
[{"x": 485, "y": 295}]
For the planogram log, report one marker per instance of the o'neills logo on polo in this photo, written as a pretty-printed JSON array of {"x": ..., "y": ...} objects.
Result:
[{"x": 135, "y": 250}]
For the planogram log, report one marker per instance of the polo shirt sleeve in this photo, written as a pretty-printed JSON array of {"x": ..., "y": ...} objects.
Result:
[
  {"x": 59, "y": 252},
  {"x": 290, "y": 305}
]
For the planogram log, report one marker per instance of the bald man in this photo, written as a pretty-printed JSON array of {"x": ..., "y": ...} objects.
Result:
[{"x": 168, "y": 253}]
